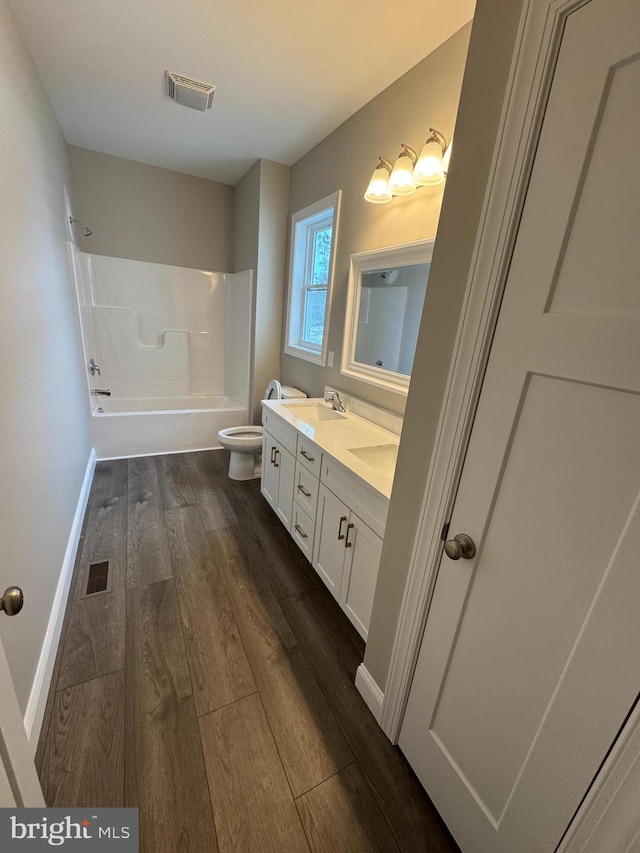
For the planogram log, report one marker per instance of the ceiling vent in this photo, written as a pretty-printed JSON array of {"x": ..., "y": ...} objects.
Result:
[{"x": 190, "y": 93}]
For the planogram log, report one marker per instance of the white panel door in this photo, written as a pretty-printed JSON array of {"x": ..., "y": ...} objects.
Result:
[
  {"x": 530, "y": 660},
  {"x": 19, "y": 784}
]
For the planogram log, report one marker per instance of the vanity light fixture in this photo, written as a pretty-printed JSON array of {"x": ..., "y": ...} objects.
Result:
[
  {"x": 410, "y": 170},
  {"x": 402, "y": 181},
  {"x": 429, "y": 171},
  {"x": 378, "y": 191}
]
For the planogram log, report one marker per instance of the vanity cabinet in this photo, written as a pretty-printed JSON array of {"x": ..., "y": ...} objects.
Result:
[
  {"x": 278, "y": 467},
  {"x": 334, "y": 514},
  {"x": 278, "y": 470},
  {"x": 347, "y": 557}
]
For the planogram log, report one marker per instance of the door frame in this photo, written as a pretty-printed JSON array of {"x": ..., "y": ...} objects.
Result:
[{"x": 533, "y": 63}]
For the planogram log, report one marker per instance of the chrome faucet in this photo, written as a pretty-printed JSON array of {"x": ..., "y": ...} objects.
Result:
[
  {"x": 97, "y": 392},
  {"x": 93, "y": 368},
  {"x": 336, "y": 403}
]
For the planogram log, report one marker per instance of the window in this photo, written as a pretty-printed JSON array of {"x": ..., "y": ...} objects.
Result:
[{"x": 311, "y": 262}]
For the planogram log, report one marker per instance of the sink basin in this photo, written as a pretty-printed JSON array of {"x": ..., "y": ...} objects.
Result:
[
  {"x": 310, "y": 413},
  {"x": 382, "y": 457}
]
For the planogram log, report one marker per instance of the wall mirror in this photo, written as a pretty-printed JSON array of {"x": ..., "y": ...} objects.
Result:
[{"x": 386, "y": 295}]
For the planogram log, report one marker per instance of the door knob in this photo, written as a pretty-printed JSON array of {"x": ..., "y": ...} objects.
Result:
[
  {"x": 460, "y": 546},
  {"x": 12, "y": 601}
]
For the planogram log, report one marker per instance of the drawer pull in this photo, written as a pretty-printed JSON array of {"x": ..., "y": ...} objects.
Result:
[
  {"x": 302, "y": 489},
  {"x": 276, "y": 457},
  {"x": 348, "y": 544},
  {"x": 273, "y": 450},
  {"x": 300, "y": 531},
  {"x": 306, "y": 456},
  {"x": 343, "y": 518}
]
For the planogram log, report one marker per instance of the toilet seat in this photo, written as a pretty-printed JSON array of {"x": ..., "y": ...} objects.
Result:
[
  {"x": 247, "y": 438},
  {"x": 274, "y": 391}
]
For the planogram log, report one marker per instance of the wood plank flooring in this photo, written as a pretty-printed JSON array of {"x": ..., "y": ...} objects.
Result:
[{"x": 212, "y": 687}]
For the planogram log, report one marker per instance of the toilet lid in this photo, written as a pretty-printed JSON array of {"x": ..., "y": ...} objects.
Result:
[{"x": 274, "y": 391}]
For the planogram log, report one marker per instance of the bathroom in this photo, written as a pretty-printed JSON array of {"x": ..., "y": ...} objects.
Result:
[
  {"x": 223, "y": 229},
  {"x": 146, "y": 214}
]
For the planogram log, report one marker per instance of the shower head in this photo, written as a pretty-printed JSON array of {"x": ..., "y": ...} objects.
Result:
[{"x": 86, "y": 232}]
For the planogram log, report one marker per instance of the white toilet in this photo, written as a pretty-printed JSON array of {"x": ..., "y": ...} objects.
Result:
[{"x": 245, "y": 442}]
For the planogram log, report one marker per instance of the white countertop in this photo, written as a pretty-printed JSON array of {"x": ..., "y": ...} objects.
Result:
[{"x": 341, "y": 437}]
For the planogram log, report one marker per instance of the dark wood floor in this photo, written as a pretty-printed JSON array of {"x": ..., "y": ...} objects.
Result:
[{"x": 212, "y": 686}]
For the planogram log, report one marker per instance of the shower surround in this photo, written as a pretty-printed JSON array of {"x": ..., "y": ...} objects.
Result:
[{"x": 173, "y": 346}]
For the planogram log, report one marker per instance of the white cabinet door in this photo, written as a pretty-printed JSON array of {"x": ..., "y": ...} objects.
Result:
[
  {"x": 278, "y": 472},
  {"x": 269, "y": 481},
  {"x": 285, "y": 467},
  {"x": 362, "y": 560},
  {"x": 529, "y": 662},
  {"x": 329, "y": 551}
]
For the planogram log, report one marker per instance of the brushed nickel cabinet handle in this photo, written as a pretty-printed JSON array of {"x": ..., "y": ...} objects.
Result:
[
  {"x": 302, "y": 489},
  {"x": 348, "y": 544},
  {"x": 300, "y": 531},
  {"x": 343, "y": 518},
  {"x": 306, "y": 456}
]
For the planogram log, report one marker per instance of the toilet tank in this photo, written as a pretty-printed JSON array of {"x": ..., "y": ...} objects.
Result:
[{"x": 290, "y": 393}]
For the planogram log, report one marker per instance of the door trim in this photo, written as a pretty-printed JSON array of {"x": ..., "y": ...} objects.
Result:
[{"x": 533, "y": 63}]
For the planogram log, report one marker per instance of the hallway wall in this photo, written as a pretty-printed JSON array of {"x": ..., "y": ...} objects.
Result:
[{"x": 44, "y": 431}]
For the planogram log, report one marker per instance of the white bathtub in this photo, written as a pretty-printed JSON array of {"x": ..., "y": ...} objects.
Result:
[{"x": 139, "y": 426}]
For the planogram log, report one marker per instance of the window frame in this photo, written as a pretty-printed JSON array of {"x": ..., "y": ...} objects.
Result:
[{"x": 305, "y": 224}]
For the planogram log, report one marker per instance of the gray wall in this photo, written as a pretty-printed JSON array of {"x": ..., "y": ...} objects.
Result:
[
  {"x": 246, "y": 225},
  {"x": 260, "y": 243},
  {"x": 494, "y": 31},
  {"x": 150, "y": 214},
  {"x": 270, "y": 290},
  {"x": 426, "y": 96},
  {"x": 44, "y": 430}
]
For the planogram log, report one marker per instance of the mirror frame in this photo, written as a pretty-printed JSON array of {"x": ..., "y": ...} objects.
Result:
[{"x": 402, "y": 255}]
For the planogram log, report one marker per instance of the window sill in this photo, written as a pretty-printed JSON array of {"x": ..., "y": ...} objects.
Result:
[{"x": 306, "y": 354}]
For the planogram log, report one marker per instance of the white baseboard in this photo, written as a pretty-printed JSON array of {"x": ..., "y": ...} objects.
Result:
[
  {"x": 34, "y": 713},
  {"x": 369, "y": 691}
]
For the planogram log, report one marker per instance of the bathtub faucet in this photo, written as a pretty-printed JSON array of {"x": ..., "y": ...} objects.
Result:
[{"x": 97, "y": 392}]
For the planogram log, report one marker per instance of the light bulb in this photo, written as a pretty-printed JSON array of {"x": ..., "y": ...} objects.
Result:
[
  {"x": 378, "y": 191},
  {"x": 401, "y": 181}
]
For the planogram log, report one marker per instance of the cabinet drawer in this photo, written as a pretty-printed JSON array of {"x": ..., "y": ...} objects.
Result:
[
  {"x": 305, "y": 490},
  {"x": 309, "y": 455},
  {"x": 303, "y": 530}
]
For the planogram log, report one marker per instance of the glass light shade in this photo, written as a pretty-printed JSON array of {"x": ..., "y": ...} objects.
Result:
[
  {"x": 446, "y": 158},
  {"x": 401, "y": 181},
  {"x": 378, "y": 191},
  {"x": 429, "y": 169}
]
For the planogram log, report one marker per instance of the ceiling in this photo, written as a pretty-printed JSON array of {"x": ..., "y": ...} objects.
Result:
[{"x": 287, "y": 73}]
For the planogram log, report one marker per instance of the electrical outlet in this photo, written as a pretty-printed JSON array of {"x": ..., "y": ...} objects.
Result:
[{"x": 330, "y": 359}]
